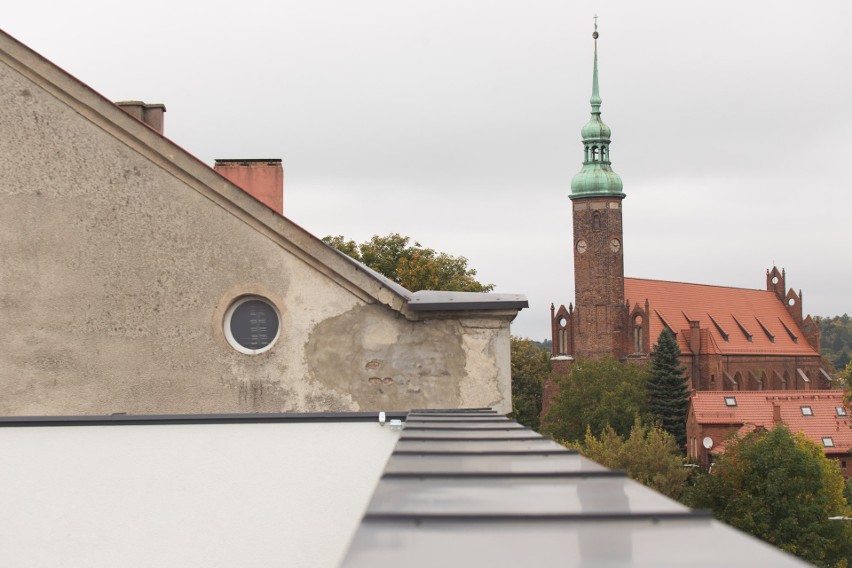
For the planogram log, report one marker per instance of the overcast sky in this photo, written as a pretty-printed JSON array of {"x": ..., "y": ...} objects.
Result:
[{"x": 458, "y": 123}]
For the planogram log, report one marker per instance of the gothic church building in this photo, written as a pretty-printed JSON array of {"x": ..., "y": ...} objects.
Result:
[{"x": 730, "y": 338}]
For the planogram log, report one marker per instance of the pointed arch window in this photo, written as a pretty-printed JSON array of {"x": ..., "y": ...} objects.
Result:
[
  {"x": 638, "y": 338},
  {"x": 596, "y": 220},
  {"x": 562, "y": 336}
]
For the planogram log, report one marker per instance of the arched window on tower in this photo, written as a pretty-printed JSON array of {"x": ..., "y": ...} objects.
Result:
[
  {"x": 638, "y": 339},
  {"x": 603, "y": 153},
  {"x": 562, "y": 336},
  {"x": 596, "y": 220},
  {"x": 594, "y": 153}
]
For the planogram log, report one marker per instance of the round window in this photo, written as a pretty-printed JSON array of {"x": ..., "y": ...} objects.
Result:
[{"x": 252, "y": 325}]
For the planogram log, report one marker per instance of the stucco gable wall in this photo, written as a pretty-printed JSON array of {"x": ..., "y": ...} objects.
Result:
[{"x": 116, "y": 275}]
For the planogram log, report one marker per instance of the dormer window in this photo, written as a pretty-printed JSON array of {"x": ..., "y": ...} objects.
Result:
[
  {"x": 807, "y": 411},
  {"x": 828, "y": 442},
  {"x": 841, "y": 411},
  {"x": 730, "y": 401}
]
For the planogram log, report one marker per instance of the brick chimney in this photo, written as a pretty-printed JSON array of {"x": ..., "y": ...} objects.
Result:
[
  {"x": 150, "y": 114},
  {"x": 262, "y": 179}
]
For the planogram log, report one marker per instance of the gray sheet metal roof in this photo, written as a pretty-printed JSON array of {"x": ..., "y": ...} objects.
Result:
[
  {"x": 475, "y": 488},
  {"x": 433, "y": 300}
]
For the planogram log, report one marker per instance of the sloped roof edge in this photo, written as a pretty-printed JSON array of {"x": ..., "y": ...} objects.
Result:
[
  {"x": 359, "y": 279},
  {"x": 438, "y": 300},
  {"x": 184, "y": 166}
]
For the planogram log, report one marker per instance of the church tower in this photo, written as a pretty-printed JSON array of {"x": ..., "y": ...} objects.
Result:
[{"x": 599, "y": 316}]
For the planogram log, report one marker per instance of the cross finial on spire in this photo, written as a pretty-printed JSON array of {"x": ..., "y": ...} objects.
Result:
[{"x": 595, "y": 33}]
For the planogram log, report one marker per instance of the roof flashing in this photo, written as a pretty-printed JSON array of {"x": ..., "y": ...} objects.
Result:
[{"x": 435, "y": 300}]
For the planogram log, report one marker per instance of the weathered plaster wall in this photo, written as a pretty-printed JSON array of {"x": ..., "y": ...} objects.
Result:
[
  {"x": 115, "y": 276},
  {"x": 386, "y": 362}
]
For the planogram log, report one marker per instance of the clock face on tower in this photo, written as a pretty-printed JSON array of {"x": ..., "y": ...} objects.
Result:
[
  {"x": 614, "y": 245},
  {"x": 582, "y": 246}
]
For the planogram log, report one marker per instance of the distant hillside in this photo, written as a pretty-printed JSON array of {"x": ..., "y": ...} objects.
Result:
[{"x": 836, "y": 339}]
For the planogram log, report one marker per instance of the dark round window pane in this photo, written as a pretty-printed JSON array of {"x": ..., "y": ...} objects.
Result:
[{"x": 254, "y": 324}]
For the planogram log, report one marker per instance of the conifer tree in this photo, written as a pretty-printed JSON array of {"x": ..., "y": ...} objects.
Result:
[{"x": 668, "y": 389}]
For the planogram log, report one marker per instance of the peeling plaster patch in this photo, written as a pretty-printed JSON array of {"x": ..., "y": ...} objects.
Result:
[
  {"x": 379, "y": 333},
  {"x": 480, "y": 384},
  {"x": 421, "y": 363}
]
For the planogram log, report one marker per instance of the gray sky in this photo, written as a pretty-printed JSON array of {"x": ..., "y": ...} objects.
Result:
[{"x": 458, "y": 123}]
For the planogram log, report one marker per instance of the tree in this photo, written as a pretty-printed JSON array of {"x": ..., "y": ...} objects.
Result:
[
  {"x": 836, "y": 339},
  {"x": 845, "y": 381},
  {"x": 668, "y": 390},
  {"x": 411, "y": 265},
  {"x": 596, "y": 394},
  {"x": 530, "y": 368},
  {"x": 649, "y": 455},
  {"x": 781, "y": 488}
]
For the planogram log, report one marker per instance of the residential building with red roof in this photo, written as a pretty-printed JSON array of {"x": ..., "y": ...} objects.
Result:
[
  {"x": 731, "y": 339},
  {"x": 716, "y": 417}
]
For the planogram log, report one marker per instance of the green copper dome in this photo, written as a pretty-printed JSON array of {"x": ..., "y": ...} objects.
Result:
[
  {"x": 596, "y": 179},
  {"x": 596, "y": 128}
]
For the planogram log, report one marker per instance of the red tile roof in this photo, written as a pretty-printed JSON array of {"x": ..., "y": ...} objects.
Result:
[
  {"x": 740, "y": 316},
  {"x": 755, "y": 409}
]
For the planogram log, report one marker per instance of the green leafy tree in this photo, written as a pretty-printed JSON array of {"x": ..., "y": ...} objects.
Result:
[
  {"x": 530, "y": 369},
  {"x": 845, "y": 382},
  {"x": 836, "y": 339},
  {"x": 411, "y": 265},
  {"x": 596, "y": 394},
  {"x": 668, "y": 390},
  {"x": 649, "y": 455},
  {"x": 781, "y": 488}
]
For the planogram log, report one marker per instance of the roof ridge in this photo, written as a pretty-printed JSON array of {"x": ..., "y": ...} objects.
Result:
[{"x": 699, "y": 284}]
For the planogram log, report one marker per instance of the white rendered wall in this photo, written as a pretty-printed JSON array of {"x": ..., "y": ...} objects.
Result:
[{"x": 287, "y": 494}]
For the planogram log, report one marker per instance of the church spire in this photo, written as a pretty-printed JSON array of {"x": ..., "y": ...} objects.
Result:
[
  {"x": 596, "y": 97},
  {"x": 596, "y": 179}
]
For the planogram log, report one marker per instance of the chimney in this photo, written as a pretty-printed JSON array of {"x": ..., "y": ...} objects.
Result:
[
  {"x": 776, "y": 413},
  {"x": 152, "y": 114},
  {"x": 262, "y": 179}
]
